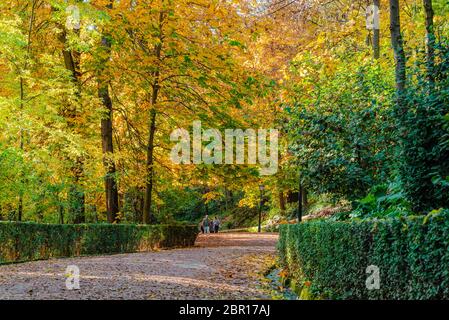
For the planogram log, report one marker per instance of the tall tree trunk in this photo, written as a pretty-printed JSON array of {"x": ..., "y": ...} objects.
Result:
[
  {"x": 376, "y": 34},
  {"x": 305, "y": 198},
  {"x": 148, "y": 218},
  {"x": 76, "y": 194},
  {"x": 22, "y": 99},
  {"x": 281, "y": 201},
  {"x": 77, "y": 198},
  {"x": 430, "y": 40},
  {"x": 226, "y": 196},
  {"x": 112, "y": 204},
  {"x": 22, "y": 178},
  {"x": 141, "y": 205},
  {"x": 111, "y": 190},
  {"x": 300, "y": 203},
  {"x": 61, "y": 214},
  {"x": 399, "y": 54}
]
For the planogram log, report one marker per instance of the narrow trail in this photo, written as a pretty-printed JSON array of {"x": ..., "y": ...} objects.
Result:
[{"x": 220, "y": 266}]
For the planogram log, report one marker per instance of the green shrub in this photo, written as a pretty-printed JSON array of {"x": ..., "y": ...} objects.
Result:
[
  {"x": 412, "y": 255},
  {"x": 21, "y": 242},
  {"x": 422, "y": 133}
]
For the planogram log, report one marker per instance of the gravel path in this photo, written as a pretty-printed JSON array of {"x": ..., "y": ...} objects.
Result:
[{"x": 220, "y": 266}]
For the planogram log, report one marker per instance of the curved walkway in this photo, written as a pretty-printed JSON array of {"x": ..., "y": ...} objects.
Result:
[{"x": 220, "y": 266}]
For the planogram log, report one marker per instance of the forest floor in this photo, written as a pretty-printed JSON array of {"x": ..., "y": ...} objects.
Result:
[{"x": 220, "y": 266}]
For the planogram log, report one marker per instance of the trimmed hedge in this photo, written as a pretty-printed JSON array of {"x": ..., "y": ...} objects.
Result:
[
  {"x": 331, "y": 258},
  {"x": 21, "y": 242}
]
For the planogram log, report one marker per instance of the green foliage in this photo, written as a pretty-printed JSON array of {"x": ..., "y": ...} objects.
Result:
[
  {"x": 341, "y": 129},
  {"x": 411, "y": 253},
  {"x": 28, "y": 241},
  {"x": 422, "y": 129},
  {"x": 382, "y": 201},
  {"x": 10, "y": 165}
]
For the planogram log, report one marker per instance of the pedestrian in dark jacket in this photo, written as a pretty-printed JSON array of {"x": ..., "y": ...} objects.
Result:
[
  {"x": 211, "y": 226},
  {"x": 216, "y": 224}
]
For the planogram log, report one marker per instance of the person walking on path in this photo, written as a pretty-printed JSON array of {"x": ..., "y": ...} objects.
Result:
[
  {"x": 211, "y": 226},
  {"x": 206, "y": 224},
  {"x": 216, "y": 224}
]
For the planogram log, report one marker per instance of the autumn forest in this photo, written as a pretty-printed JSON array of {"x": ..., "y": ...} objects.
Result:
[{"x": 97, "y": 98}]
